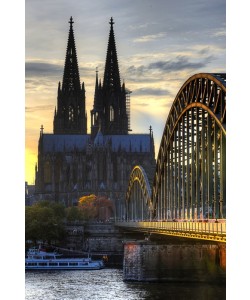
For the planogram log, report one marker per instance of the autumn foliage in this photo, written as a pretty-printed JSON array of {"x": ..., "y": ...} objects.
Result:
[{"x": 96, "y": 207}]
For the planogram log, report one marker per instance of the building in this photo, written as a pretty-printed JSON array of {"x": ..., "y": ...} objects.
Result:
[
  {"x": 29, "y": 194},
  {"x": 73, "y": 163}
]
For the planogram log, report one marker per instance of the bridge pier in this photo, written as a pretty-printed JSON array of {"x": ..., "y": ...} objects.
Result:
[{"x": 156, "y": 261}]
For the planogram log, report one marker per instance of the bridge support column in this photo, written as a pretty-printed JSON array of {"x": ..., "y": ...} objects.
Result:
[{"x": 174, "y": 261}]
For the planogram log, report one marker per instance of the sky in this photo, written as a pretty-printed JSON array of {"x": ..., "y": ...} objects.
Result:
[{"x": 160, "y": 44}]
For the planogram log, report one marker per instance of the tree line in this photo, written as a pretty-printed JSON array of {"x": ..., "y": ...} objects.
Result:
[{"x": 45, "y": 220}]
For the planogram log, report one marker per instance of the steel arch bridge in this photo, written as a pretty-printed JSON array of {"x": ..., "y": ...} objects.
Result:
[
  {"x": 190, "y": 177},
  {"x": 138, "y": 197}
]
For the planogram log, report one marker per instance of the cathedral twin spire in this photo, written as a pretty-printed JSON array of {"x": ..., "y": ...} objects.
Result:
[
  {"x": 109, "y": 113},
  {"x": 111, "y": 73},
  {"x": 71, "y": 78},
  {"x": 70, "y": 117}
]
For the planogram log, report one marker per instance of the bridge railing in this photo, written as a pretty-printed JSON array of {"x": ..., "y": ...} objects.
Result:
[{"x": 198, "y": 228}]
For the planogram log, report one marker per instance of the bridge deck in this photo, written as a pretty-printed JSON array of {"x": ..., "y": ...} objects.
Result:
[{"x": 212, "y": 231}]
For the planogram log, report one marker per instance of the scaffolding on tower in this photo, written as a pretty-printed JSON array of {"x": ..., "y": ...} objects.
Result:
[{"x": 128, "y": 92}]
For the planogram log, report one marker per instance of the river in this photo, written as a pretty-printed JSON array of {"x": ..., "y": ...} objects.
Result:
[{"x": 108, "y": 284}]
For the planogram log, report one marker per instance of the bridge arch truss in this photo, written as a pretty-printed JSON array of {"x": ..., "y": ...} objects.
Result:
[
  {"x": 190, "y": 178},
  {"x": 138, "y": 198}
]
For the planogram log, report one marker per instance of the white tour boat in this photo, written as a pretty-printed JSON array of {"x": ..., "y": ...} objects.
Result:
[{"x": 38, "y": 259}]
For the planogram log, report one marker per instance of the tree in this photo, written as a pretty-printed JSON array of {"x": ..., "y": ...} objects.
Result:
[
  {"x": 105, "y": 208},
  {"x": 87, "y": 206},
  {"x": 74, "y": 213},
  {"x": 96, "y": 207},
  {"x": 44, "y": 222}
]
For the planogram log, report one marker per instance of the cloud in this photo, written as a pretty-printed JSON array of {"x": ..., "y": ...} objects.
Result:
[
  {"x": 204, "y": 50},
  {"x": 42, "y": 68},
  {"x": 133, "y": 70},
  {"x": 38, "y": 108},
  {"x": 147, "y": 38},
  {"x": 219, "y": 33},
  {"x": 136, "y": 27},
  {"x": 37, "y": 82},
  {"x": 150, "y": 91},
  {"x": 179, "y": 64}
]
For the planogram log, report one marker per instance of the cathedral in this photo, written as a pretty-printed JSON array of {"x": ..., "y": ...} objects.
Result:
[{"x": 71, "y": 162}]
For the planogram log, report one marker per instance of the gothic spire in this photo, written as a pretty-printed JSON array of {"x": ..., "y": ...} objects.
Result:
[
  {"x": 96, "y": 89},
  {"x": 70, "y": 117},
  {"x": 111, "y": 73},
  {"x": 110, "y": 99},
  {"x": 71, "y": 78}
]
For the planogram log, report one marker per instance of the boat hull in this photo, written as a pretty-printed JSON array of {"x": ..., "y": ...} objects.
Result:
[
  {"x": 63, "y": 266},
  {"x": 37, "y": 268}
]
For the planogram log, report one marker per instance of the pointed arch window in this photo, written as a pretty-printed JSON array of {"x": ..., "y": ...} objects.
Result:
[
  {"x": 71, "y": 114},
  {"x": 96, "y": 117},
  {"x": 112, "y": 114},
  {"x": 47, "y": 172}
]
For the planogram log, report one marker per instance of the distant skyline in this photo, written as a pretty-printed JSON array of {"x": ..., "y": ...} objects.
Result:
[{"x": 160, "y": 44}]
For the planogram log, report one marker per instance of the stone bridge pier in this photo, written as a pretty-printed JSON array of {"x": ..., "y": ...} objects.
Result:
[{"x": 175, "y": 260}]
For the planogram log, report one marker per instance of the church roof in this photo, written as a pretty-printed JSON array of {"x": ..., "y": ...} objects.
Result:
[
  {"x": 67, "y": 142},
  {"x": 99, "y": 138},
  {"x": 64, "y": 142},
  {"x": 130, "y": 142}
]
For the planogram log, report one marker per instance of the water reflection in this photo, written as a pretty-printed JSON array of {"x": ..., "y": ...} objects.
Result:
[{"x": 107, "y": 284}]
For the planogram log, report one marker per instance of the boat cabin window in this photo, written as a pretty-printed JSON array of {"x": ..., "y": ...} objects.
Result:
[
  {"x": 42, "y": 264},
  {"x": 53, "y": 264},
  {"x": 63, "y": 264},
  {"x": 31, "y": 264},
  {"x": 73, "y": 264}
]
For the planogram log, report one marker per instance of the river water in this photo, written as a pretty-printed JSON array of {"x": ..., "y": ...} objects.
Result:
[{"x": 108, "y": 284}]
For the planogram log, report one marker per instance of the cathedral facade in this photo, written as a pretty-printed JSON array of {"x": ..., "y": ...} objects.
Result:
[{"x": 73, "y": 163}]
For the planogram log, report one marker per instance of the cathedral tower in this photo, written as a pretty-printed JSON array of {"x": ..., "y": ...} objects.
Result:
[
  {"x": 109, "y": 113},
  {"x": 70, "y": 116}
]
